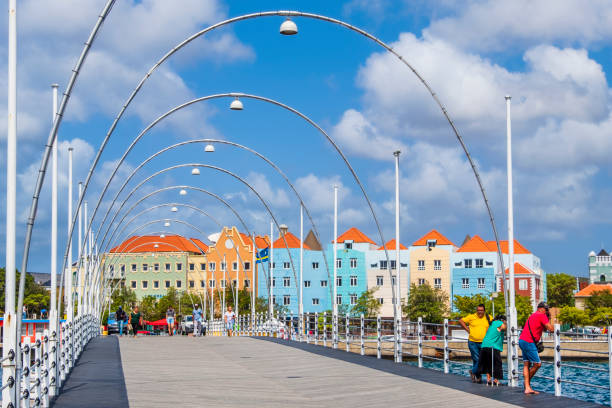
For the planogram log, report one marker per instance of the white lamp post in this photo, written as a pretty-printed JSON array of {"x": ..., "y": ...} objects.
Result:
[
  {"x": 335, "y": 261},
  {"x": 398, "y": 293}
]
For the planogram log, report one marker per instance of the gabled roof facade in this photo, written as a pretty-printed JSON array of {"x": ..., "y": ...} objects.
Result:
[
  {"x": 520, "y": 269},
  {"x": 518, "y": 248},
  {"x": 475, "y": 244},
  {"x": 292, "y": 242},
  {"x": 433, "y": 235},
  {"x": 391, "y": 246},
  {"x": 592, "y": 288},
  {"x": 356, "y": 236},
  {"x": 169, "y": 243},
  {"x": 603, "y": 253}
]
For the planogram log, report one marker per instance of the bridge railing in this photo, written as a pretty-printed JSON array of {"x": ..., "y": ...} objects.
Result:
[
  {"x": 441, "y": 346},
  {"x": 48, "y": 359}
]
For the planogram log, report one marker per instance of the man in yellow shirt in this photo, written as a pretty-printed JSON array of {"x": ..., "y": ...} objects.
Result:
[{"x": 476, "y": 325}]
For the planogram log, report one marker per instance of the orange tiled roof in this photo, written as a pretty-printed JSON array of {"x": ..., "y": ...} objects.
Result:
[
  {"x": 356, "y": 236},
  {"x": 260, "y": 242},
  {"x": 431, "y": 235},
  {"x": 170, "y": 243},
  {"x": 592, "y": 288},
  {"x": 520, "y": 269},
  {"x": 292, "y": 241},
  {"x": 476, "y": 244},
  {"x": 518, "y": 248},
  {"x": 391, "y": 245}
]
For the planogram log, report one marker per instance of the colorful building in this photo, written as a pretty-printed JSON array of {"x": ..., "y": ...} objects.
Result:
[
  {"x": 474, "y": 267},
  {"x": 584, "y": 294},
  {"x": 430, "y": 258},
  {"x": 351, "y": 277},
  {"x": 600, "y": 267}
]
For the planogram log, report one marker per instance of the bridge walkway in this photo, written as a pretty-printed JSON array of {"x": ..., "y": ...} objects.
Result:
[{"x": 266, "y": 372}]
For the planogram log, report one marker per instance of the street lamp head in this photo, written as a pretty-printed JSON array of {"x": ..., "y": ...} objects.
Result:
[
  {"x": 396, "y": 153},
  {"x": 183, "y": 192},
  {"x": 209, "y": 148},
  {"x": 166, "y": 224},
  {"x": 288, "y": 28},
  {"x": 508, "y": 97},
  {"x": 156, "y": 246},
  {"x": 174, "y": 209},
  {"x": 236, "y": 105},
  {"x": 195, "y": 171},
  {"x": 54, "y": 85},
  {"x": 162, "y": 236}
]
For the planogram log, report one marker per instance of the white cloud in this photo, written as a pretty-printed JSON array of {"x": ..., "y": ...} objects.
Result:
[
  {"x": 318, "y": 192},
  {"x": 274, "y": 197}
]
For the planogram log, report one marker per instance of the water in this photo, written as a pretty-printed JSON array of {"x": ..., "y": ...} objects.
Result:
[{"x": 583, "y": 375}]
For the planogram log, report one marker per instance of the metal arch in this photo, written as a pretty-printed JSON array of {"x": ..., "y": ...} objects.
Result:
[
  {"x": 228, "y": 173},
  {"x": 248, "y": 149}
]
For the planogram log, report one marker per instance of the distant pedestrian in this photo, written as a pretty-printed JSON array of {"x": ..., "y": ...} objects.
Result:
[
  {"x": 530, "y": 343},
  {"x": 197, "y": 320},
  {"x": 25, "y": 312},
  {"x": 135, "y": 321},
  {"x": 476, "y": 325},
  {"x": 230, "y": 318},
  {"x": 490, "y": 362},
  {"x": 170, "y": 315},
  {"x": 120, "y": 318}
]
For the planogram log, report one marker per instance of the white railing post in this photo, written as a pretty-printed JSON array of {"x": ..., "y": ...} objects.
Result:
[
  {"x": 25, "y": 361},
  {"x": 316, "y": 328},
  {"x": 38, "y": 365},
  {"x": 62, "y": 353},
  {"x": 335, "y": 330},
  {"x": 361, "y": 340},
  {"x": 398, "y": 347},
  {"x": 324, "y": 329},
  {"x": 378, "y": 338},
  {"x": 53, "y": 371},
  {"x": 557, "y": 361},
  {"x": 446, "y": 354},
  {"x": 347, "y": 333},
  {"x": 300, "y": 327},
  {"x": 420, "y": 333},
  {"x": 45, "y": 361}
]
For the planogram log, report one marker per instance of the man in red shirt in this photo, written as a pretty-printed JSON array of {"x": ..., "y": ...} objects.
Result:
[{"x": 532, "y": 333}]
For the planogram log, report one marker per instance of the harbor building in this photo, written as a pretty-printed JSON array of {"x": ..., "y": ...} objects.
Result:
[
  {"x": 600, "y": 266},
  {"x": 378, "y": 275},
  {"x": 474, "y": 267}
]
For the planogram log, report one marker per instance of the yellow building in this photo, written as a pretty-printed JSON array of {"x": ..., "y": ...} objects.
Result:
[{"x": 430, "y": 261}]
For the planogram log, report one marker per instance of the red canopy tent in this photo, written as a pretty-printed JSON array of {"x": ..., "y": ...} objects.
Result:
[{"x": 160, "y": 322}]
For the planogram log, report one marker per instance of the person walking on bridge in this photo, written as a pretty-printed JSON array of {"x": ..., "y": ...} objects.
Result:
[
  {"x": 135, "y": 320},
  {"x": 120, "y": 318},
  {"x": 476, "y": 325},
  {"x": 230, "y": 317},
  {"x": 531, "y": 345},
  {"x": 170, "y": 320},
  {"x": 197, "y": 320}
]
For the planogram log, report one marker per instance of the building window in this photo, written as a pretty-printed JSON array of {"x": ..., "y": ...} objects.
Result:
[
  {"x": 273, "y": 282},
  {"x": 481, "y": 282},
  {"x": 286, "y": 281},
  {"x": 247, "y": 283},
  {"x": 323, "y": 283},
  {"x": 247, "y": 266},
  {"x": 273, "y": 300},
  {"x": 156, "y": 267},
  {"x": 234, "y": 283},
  {"x": 179, "y": 283},
  {"x": 353, "y": 280},
  {"x": 438, "y": 283},
  {"x": 353, "y": 299},
  {"x": 421, "y": 265},
  {"x": 479, "y": 263},
  {"x": 203, "y": 266},
  {"x": 381, "y": 301},
  {"x": 211, "y": 283},
  {"x": 156, "y": 284},
  {"x": 339, "y": 263},
  {"x": 145, "y": 284},
  {"x": 421, "y": 281},
  {"x": 133, "y": 284},
  {"x": 222, "y": 283},
  {"x": 393, "y": 264},
  {"x": 286, "y": 300},
  {"x": 353, "y": 263},
  {"x": 212, "y": 266},
  {"x": 202, "y": 284},
  {"x": 348, "y": 245},
  {"x": 315, "y": 301},
  {"x": 134, "y": 268},
  {"x": 122, "y": 267},
  {"x": 273, "y": 265},
  {"x": 306, "y": 284},
  {"x": 383, "y": 264},
  {"x": 192, "y": 267},
  {"x": 192, "y": 284},
  {"x": 602, "y": 278},
  {"x": 380, "y": 280},
  {"x": 315, "y": 265},
  {"x": 234, "y": 266},
  {"x": 467, "y": 263},
  {"x": 392, "y": 280},
  {"x": 286, "y": 265},
  {"x": 167, "y": 283},
  {"x": 223, "y": 265},
  {"x": 465, "y": 283},
  {"x": 145, "y": 267},
  {"x": 522, "y": 284},
  {"x": 167, "y": 266},
  {"x": 338, "y": 299},
  {"x": 179, "y": 266},
  {"x": 437, "y": 264},
  {"x": 338, "y": 280}
]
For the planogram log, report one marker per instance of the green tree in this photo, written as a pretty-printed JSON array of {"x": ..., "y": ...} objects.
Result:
[
  {"x": 30, "y": 288},
  {"x": 560, "y": 289},
  {"x": 124, "y": 297},
  {"x": 36, "y": 302},
  {"x": 148, "y": 308},
  {"x": 602, "y": 316},
  {"x": 171, "y": 298},
  {"x": 573, "y": 316},
  {"x": 426, "y": 302},
  {"x": 367, "y": 304},
  {"x": 600, "y": 298},
  {"x": 467, "y": 304}
]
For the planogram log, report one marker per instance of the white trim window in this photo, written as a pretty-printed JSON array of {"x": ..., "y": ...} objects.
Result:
[
  {"x": 338, "y": 299},
  {"x": 465, "y": 283},
  {"x": 315, "y": 301},
  {"x": 145, "y": 284},
  {"x": 438, "y": 283},
  {"x": 481, "y": 283},
  {"x": 421, "y": 265},
  {"x": 353, "y": 263},
  {"x": 381, "y": 301},
  {"x": 156, "y": 284},
  {"x": 202, "y": 266},
  {"x": 380, "y": 280},
  {"x": 156, "y": 267},
  {"x": 323, "y": 283},
  {"x": 338, "y": 280},
  {"x": 179, "y": 266},
  {"x": 145, "y": 267},
  {"x": 222, "y": 283},
  {"x": 133, "y": 284},
  {"x": 134, "y": 267},
  {"x": 467, "y": 263},
  {"x": 286, "y": 265},
  {"x": 223, "y": 266},
  {"x": 523, "y": 284},
  {"x": 247, "y": 283},
  {"x": 179, "y": 283},
  {"x": 353, "y": 280},
  {"x": 286, "y": 300},
  {"x": 167, "y": 266},
  {"x": 286, "y": 281},
  {"x": 338, "y": 262},
  {"x": 211, "y": 283},
  {"x": 353, "y": 299},
  {"x": 315, "y": 265},
  {"x": 212, "y": 266},
  {"x": 306, "y": 283},
  {"x": 421, "y": 281},
  {"x": 437, "y": 264},
  {"x": 479, "y": 263},
  {"x": 234, "y": 266},
  {"x": 191, "y": 266}
]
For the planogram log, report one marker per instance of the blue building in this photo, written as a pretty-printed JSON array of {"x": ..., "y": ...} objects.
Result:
[{"x": 351, "y": 278}]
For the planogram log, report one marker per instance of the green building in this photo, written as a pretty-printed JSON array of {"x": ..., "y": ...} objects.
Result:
[{"x": 600, "y": 267}]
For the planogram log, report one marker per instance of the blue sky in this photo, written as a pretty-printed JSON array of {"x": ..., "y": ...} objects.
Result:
[{"x": 553, "y": 58}]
